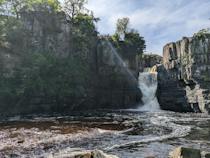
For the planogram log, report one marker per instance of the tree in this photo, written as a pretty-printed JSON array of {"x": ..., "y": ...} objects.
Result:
[
  {"x": 45, "y": 5},
  {"x": 42, "y": 72},
  {"x": 82, "y": 25},
  {"x": 14, "y": 7},
  {"x": 135, "y": 43},
  {"x": 202, "y": 33},
  {"x": 83, "y": 34},
  {"x": 122, "y": 27},
  {"x": 132, "y": 45},
  {"x": 74, "y": 7}
]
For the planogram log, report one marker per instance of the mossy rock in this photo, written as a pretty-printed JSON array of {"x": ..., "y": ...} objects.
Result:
[
  {"x": 202, "y": 34},
  {"x": 205, "y": 76},
  {"x": 182, "y": 152}
]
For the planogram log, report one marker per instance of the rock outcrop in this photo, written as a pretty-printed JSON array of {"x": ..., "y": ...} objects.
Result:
[
  {"x": 182, "y": 152},
  {"x": 207, "y": 155},
  {"x": 184, "y": 77},
  {"x": 116, "y": 86}
]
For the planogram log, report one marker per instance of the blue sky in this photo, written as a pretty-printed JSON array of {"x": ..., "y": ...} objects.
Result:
[{"x": 159, "y": 21}]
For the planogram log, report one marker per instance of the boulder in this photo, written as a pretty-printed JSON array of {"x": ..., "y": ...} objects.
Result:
[
  {"x": 100, "y": 154},
  {"x": 207, "y": 155},
  {"x": 182, "y": 152},
  {"x": 81, "y": 154}
]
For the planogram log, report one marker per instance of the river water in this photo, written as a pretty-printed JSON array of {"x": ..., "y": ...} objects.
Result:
[
  {"x": 132, "y": 134},
  {"x": 135, "y": 133}
]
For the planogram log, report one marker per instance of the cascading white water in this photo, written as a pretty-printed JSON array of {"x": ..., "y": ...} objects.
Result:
[{"x": 148, "y": 86}]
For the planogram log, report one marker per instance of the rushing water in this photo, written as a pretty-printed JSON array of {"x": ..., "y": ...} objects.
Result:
[
  {"x": 123, "y": 133},
  {"x": 144, "y": 132},
  {"x": 148, "y": 85},
  {"x": 140, "y": 133}
]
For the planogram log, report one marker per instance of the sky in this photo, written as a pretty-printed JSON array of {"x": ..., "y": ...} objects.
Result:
[{"x": 158, "y": 21}]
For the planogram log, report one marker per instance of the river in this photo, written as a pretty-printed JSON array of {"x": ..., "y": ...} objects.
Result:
[
  {"x": 126, "y": 134},
  {"x": 134, "y": 133}
]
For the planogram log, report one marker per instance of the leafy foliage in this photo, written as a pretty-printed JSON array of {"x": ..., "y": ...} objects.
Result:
[
  {"x": 83, "y": 35},
  {"x": 38, "y": 76},
  {"x": 15, "y": 7},
  {"x": 202, "y": 33},
  {"x": 47, "y": 57},
  {"x": 132, "y": 44},
  {"x": 74, "y": 7},
  {"x": 122, "y": 27}
]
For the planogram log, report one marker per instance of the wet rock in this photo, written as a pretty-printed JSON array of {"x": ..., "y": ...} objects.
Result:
[
  {"x": 82, "y": 154},
  {"x": 20, "y": 141},
  {"x": 100, "y": 154},
  {"x": 184, "y": 76},
  {"x": 182, "y": 152},
  {"x": 171, "y": 92},
  {"x": 207, "y": 155}
]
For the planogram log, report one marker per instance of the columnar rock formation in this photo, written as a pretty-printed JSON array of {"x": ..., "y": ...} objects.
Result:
[
  {"x": 184, "y": 77},
  {"x": 116, "y": 86}
]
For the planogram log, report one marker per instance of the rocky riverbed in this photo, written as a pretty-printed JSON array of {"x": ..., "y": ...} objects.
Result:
[{"x": 122, "y": 133}]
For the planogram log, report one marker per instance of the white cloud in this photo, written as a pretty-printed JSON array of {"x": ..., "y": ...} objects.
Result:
[{"x": 159, "y": 21}]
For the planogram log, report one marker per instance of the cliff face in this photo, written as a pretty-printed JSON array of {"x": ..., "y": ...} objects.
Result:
[
  {"x": 70, "y": 68},
  {"x": 184, "y": 77},
  {"x": 116, "y": 85}
]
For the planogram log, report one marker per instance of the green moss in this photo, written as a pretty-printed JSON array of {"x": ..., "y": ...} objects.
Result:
[
  {"x": 202, "y": 34},
  {"x": 207, "y": 155},
  {"x": 186, "y": 153},
  {"x": 205, "y": 76}
]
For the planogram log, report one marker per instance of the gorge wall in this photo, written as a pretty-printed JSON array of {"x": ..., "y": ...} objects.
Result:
[
  {"x": 184, "y": 77},
  {"x": 52, "y": 66}
]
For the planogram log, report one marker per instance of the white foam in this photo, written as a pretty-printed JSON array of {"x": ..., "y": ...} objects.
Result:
[
  {"x": 148, "y": 86},
  {"x": 178, "y": 131},
  {"x": 34, "y": 137}
]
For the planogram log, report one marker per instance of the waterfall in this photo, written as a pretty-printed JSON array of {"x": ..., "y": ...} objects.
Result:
[{"x": 148, "y": 85}]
